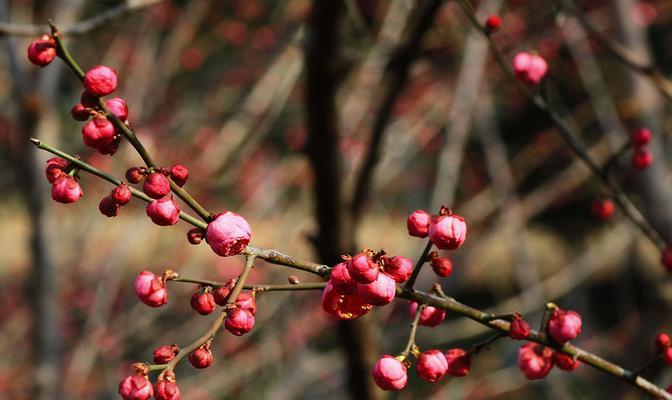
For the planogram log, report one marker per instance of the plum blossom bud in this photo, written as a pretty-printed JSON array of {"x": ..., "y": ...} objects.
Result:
[
  {"x": 135, "y": 174},
  {"x": 529, "y": 68},
  {"x": 661, "y": 343},
  {"x": 150, "y": 289},
  {"x": 429, "y": 316},
  {"x": 362, "y": 268},
  {"x": 343, "y": 306},
  {"x": 341, "y": 281},
  {"x": 431, "y": 366},
  {"x": 603, "y": 208},
  {"x": 136, "y": 387},
  {"x": 418, "y": 223},
  {"x": 247, "y": 302},
  {"x": 228, "y": 234},
  {"x": 390, "y": 373},
  {"x": 642, "y": 159},
  {"x": 110, "y": 147},
  {"x": 42, "y": 51},
  {"x": 166, "y": 390},
  {"x": 121, "y": 194},
  {"x": 565, "y": 362},
  {"x": 221, "y": 294},
  {"x": 666, "y": 258},
  {"x": 79, "y": 112},
  {"x": 179, "y": 174},
  {"x": 100, "y": 80},
  {"x": 379, "y": 292},
  {"x": 535, "y": 361},
  {"x": 239, "y": 321},
  {"x": 55, "y": 168},
  {"x": 164, "y": 212},
  {"x": 492, "y": 23},
  {"x": 108, "y": 207},
  {"x": 519, "y": 328},
  {"x": 448, "y": 232},
  {"x": 156, "y": 185},
  {"x": 203, "y": 303},
  {"x": 201, "y": 357},
  {"x": 98, "y": 132},
  {"x": 667, "y": 356},
  {"x": 118, "y": 108},
  {"x": 195, "y": 235},
  {"x": 640, "y": 137},
  {"x": 564, "y": 326},
  {"x": 66, "y": 190},
  {"x": 88, "y": 100},
  {"x": 441, "y": 265},
  {"x": 398, "y": 268},
  {"x": 459, "y": 362},
  {"x": 163, "y": 354}
]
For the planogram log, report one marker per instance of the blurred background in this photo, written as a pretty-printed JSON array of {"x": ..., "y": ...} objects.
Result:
[{"x": 325, "y": 123}]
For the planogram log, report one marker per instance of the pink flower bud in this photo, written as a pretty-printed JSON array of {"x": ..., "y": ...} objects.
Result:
[
  {"x": 640, "y": 137},
  {"x": 163, "y": 354},
  {"x": 399, "y": 268},
  {"x": 341, "y": 281},
  {"x": 179, "y": 174},
  {"x": 379, "y": 292},
  {"x": 108, "y": 207},
  {"x": 118, "y": 108},
  {"x": 156, "y": 185},
  {"x": 121, "y": 194},
  {"x": 362, "y": 268},
  {"x": 166, "y": 390},
  {"x": 221, "y": 294},
  {"x": 565, "y": 362},
  {"x": 42, "y": 51},
  {"x": 441, "y": 266},
  {"x": 430, "y": 316},
  {"x": 79, "y": 112},
  {"x": 431, "y": 366},
  {"x": 535, "y": 361},
  {"x": 135, "y": 174},
  {"x": 55, "y": 168},
  {"x": 661, "y": 343},
  {"x": 164, "y": 212},
  {"x": 98, "y": 132},
  {"x": 448, "y": 232},
  {"x": 66, "y": 190},
  {"x": 201, "y": 357},
  {"x": 667, "y": 356},
  {"x": 493, "y": 23},
  {"x": 247, "y": 302},
  {"x": 136, "y": 387},
  {"x": 110, "y": 147},
  {"x": 195, "y": 235},
  {"x": 239, "y": 321},
  {"x": 100, "y": 80},
  {"x": 203, "y": 303},
  {"x": 150, "y": 289},
  {"x": 529, "y": 68},
  {"x": 564, "y": 326},
  {"x": 390, "y": 373},
  {"x": 666, "y": 258},
  {"x": 642, "y": 159},
  {"x": 343, "y": 306},
  {"x": 228, "y": 234},
  {"x": 603, "y": 208},
  {"x": 519, "y": 328},
  {"x": 459, "y": 362},
  {"x": 418, "y": 223}
]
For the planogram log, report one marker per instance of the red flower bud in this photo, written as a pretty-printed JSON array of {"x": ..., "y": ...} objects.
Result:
[
  {"x": 430, "y": 316},
  {"x": 42, "y": 51},
  {"x": 108, "y": 207},
  {"x": 441, "y": 266},
  {"x": 166, "y": 390},
  {"x": 164, "y": 212},
  {"x": 80, "y": 113},
  {"x": 666, "y": 258},
  {"x": 493, "y": 23},
  {"x": 247, "y": 302},
  {"x": 100, "y": 80},
  {"x": 642, "y": 159},
  {"x": 431, "y": 366},
  {"x": 535, "y": 361},
  {"x": 379, "y": 292},
  {"x": 603, "y": 208},
  {"x": 55, "y": 168},
  {"x": 343, "y": 306},
  {"x": 201, "y": 357},
  {"x": 362, "y": 268},
  {"x": 98, "y": 132},
  {"x": 448, "y": 232},
  {"x": 110, "y": 147},
  {"x": 88, "y": 100},
  {"x": 156, "y": 185},
  {"x": 667, "y": 356},
  {"x": 179, "y": 174},
  {"x": 640, "y": 137},
  {"x": 390, "y": 373},
  {"x": 519, "y": 328},
  {"x": 135, "y": 174},
  {"x": 399, "y": 268},
  {"x": 221, "y": 294},
  {"x": 239, "y": 321},
  {"x": 136, "y": 387},
  {"x": 121, "y": 194},
  {"x": 228, "y": 234},
  {"x": 418, "y": 223},
  {"x": 195, "y": 235},
  {"x": 341, "y": 281},
  {"x": 564, "y": 326},
  {"x": 529, "y": 68},
  {"x": 661, "y": 343},
  {"x": 163, "y": 354},
  {"x": 118, "y": 107},
  {"x": 66, "y": 190},
  {"x": 459, "y": 362},
  {"x": 150, "y": 289},
  {"x": 565, "y": 362},
  {"x": 203, "y": 303}
]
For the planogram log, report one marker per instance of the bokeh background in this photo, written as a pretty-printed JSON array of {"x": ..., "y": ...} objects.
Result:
[{"x": 275, "y": 113}]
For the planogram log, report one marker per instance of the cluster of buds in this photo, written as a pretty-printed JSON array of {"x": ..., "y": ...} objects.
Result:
[
  {"x": 163, "y": 210},
  {"x": 530, "y": 68},
  {"x": 65, "y": 187},
  {"x": 663, "y": 347},
  {"x": 536, "y": 361},
  {"x": 642, "y": 158},
  {"x": 118, "y": 197},
  {"x": 447, "y": 231},
  {"x": 138, "y": 386}
]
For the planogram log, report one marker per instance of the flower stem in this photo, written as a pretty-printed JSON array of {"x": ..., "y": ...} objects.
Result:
[{"x": 418, "y": 265}]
